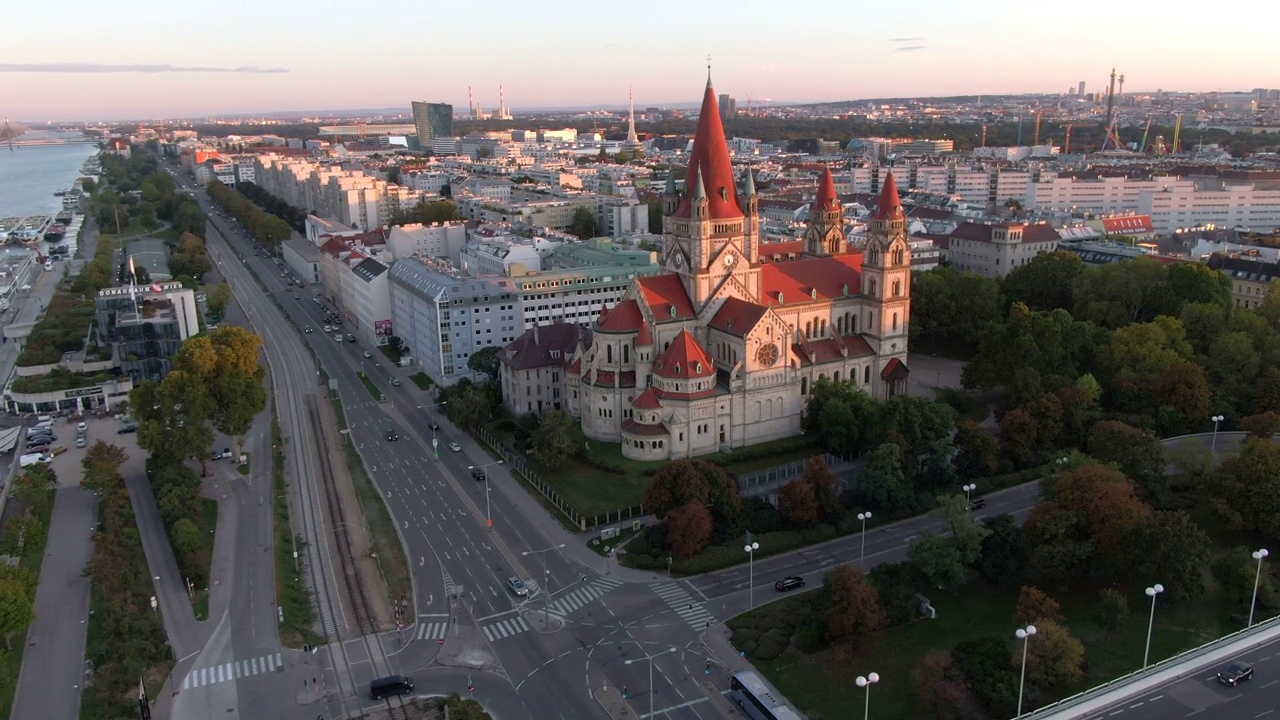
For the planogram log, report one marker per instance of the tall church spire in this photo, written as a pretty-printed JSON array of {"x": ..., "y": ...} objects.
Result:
[
  {"x": 711, "y": 156},
  {"x": 825, "y": 233},
  {"x": 632, "y": 142}
]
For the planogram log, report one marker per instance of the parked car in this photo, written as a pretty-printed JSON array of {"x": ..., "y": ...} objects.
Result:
[
  {"x": 82, "y": 426},
  {"x": 127, "y": 429},
  {"x": 791, "y": 582},
  {"x": 1235, "y": 673},
  {"x": 82, "y": 441},
  {"x": 516, "y": 585}
]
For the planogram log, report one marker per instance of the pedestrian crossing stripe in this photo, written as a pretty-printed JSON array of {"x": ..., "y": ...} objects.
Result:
[
  {"x": 505, "y": 628},
  {"x": 583, "y": 595},
  {"x": 200, "y": 677},
  {"x": 689, "y": 610},
  {"x": 431, "y": 631}
]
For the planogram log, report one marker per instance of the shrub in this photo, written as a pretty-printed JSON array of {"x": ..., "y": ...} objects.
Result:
[{"x": 1113, "y": 610}]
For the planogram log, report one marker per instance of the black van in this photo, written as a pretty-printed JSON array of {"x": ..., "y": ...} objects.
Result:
[{"x": 390, "y": 686}]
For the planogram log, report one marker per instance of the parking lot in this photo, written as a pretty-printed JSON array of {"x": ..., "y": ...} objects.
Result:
[{"x": 67, "y": 464}]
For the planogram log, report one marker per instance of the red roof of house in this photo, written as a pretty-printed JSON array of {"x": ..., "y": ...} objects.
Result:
[
  {"x": 631, "y": 427},
  {"x": 684, "y": 359},
  {"x": 664, "y": 292},
  {"x": 737, "y": 317},
  {"x": 647, "y": 400},
  {"x": 794, "y": 282},
  {"x": 644, "y": 338},
  {"x": 827, "y": 198},
  {"x": 890, "y": 205},
  {"x": 781, "y": 251},
  {"x": 622, "y": 318},
  {"x": 895, "y": 370},
  {"x": 816, "y": 352},
  {"x": 711, "y": 156},
  {"x": 1127, "y": 224}
]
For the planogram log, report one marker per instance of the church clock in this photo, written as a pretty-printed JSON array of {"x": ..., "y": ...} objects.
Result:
[{"x": 767, "y": 355}]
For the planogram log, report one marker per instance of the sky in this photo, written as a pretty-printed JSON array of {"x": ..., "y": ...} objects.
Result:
[{"x": 69, "y": 60}]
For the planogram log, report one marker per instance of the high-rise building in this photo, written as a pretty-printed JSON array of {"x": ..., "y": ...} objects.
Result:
[
  {"x": 433, "y": 120},
  {"x": 1080, "y": 89},
  {"x": 728, "y": 107}
]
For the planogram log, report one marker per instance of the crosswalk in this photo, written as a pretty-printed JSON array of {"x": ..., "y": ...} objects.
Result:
[
  {"x": 505, "y": 628},
  {"x": 200, "y": 677},
  {"x": 685, "y": 606},
  {"x": 587, "y": 593},
  {"x": 432, "y": 630}
]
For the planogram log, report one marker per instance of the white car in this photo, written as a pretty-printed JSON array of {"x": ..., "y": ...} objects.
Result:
[
  {"x": 82, "y": 427},
  {"x": 455, "y": 447}
]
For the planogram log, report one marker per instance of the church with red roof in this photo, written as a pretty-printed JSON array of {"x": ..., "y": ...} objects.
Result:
[{"x": 720, "y": 351}]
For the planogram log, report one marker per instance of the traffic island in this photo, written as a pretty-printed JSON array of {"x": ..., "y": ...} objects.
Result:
[
  {"x": 610, "y": 698},
  {"x": 543, "y": 622},
  {"x": 464, "y": 643}
]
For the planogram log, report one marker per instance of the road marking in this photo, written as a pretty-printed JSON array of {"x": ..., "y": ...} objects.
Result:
[
  {"x": 505, "y": 628},
  {"x": 200, "y": 677},
  {"x": 432, "y": 630},
  {"x": 683, "y": 604}
]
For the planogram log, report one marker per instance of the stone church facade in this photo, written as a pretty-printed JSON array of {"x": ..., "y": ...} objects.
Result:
[{"x": 721, "y": 350}]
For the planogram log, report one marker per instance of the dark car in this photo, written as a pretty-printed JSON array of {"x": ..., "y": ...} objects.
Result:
[
  {"x": 435, "y": 425},
  {"x": 977, "y": 503},
  {"x": 1235, "y": 673},
  {"x": 478, "y": 475},
  {"x": 791, "y": 582},
  {"x": 392, "y": 436},
  {"x": 390, "y": 687}
]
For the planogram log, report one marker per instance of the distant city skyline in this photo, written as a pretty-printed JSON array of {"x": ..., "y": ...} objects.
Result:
[{"x": 151, "y": 59}]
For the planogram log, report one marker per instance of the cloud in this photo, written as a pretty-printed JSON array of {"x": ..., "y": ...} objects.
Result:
[
  {"x": 906, "y": 39},
  {"x": 101, "y": 68},
  {"x": 910, "y": 48}
]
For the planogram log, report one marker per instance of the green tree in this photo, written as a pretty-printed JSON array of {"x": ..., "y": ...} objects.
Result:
[
  {"x": 655, "y": 215},
  {"x": 1195, "y": 282},
  {"x": 699, "y": 481},
  {"x": 1020, "y": 438},
  {"x": 1035, "y": 607},
  {"x": 1117, "y": 294},
  {"x": 938, "y": 560},
  {"x": 467, "y": 406},
  {"x": 915, "y": 423},
  {"x": 1003, "y": 559},
  {"x": 1170, "y": 546},
  {"x": 485, "y": 361},
  {"x": 173, "y": 416},
  {"x": 841, "y": 416},
  {"x": 584, "y": 224},
  {"x": 218, "y": 298},
  {"x": 976, "y": 451},
  {"x": 949, "y": 309},
  {"x": 1055, "y": 657},
  {"x": 1139, "y": 353},
  {"x": 1245, "y": 490},
  {"x": 825, "y": 486},
  {"x": 883, "y": 484},
  {"x": 430, "y": 212},
  {"x": 17, "y": 600},
  {"x": 1113, "y": 610},
  {"x": 1236, "y": 571},
  {"x": 1051, "y": 344},
  {"x": 227, "y": 359},
  {"x": 966, "y": 534},
  {"x": 987, "y": 666},
  {"x": 797, "y": 503},
  {"x": 1046, "y": 282},
  {"x": 556, "y": 440},
  {"x": 1138, "y": 453},
  {"x": 854, "y": 612},
  {"x": 186, "y": 537},
  {"x": 101, "y": 465}
]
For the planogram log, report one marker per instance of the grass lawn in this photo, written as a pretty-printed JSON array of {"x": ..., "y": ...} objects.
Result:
[
  {"x": 822, "y": 684},
  {"x": 291, "y": 593},
  {"x": 11, "y": 657},
  {"x": 967, "y": 407},
  {"x": 422, "y": 381},
  {"x": 371, "y": 387},
  {"x": 598, "y": 545},
  {"x": 595, "y": 491}
]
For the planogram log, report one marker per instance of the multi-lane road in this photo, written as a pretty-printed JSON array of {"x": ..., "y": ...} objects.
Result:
[{"x": 601, "y": 617}]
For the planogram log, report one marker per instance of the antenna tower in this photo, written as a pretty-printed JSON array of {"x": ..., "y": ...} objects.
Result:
[
  {"x": 1111, "y": 141},
  {"x": 502, "y": 104},
  {"x": 471, "y": 102}
]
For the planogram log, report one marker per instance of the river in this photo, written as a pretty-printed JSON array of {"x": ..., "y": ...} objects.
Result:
[{"x": 30, "y": 175}]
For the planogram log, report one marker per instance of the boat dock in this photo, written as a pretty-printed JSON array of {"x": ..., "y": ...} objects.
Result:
[{"x": 25, "y": 230}]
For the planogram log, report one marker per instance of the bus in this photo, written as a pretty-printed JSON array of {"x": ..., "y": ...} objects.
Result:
[{"x": 749, "y": 693}]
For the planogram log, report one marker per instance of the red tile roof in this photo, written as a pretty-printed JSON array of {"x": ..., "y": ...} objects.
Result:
[
  {"x": 631, "y": 427},
  {"x": 1127, "y": 224},
  {"x": 663, "y": 292},
  {"x": 890, "y": 206},
  {"x": 603, "y": 378},
  {"x": 781, "y": 250},
  {"x": 647, "y": 400},
  {"x": 644, "y": 338},
  {"x": 711, "y": 156},
  {"x": 794, "y": 282},
  {"x": 827, "y": 199},
  {"x": 545, "y": 346},
  {"x": 895, "y": 370},
  {"x": 816, "y": 352},
  {"x": 622, "y": 318},
  {"x": 684, "y": 359},
  {"x": 737, "y": 317}
]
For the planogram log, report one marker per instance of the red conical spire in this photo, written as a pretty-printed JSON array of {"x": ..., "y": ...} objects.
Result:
[
  {"x": 827, "y": 199},
  {"x": 711, "y": 156},
  {"x": 890, "y": 207}
]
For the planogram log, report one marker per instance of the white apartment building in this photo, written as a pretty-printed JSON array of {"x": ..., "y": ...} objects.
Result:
[
  {"x": 370, "y": 302},
  {"x": 1097, "y": 195},
  {"x": 317, "y": 227},
  {"x": 444, "y": 318},
  {"x": 439, "y": 240},
  {"x": 302, "y": 258},
  {"x": 425, "y": 182},
  {"x": 1243, "y": 205},
  {"x": 502, "y": 257},
  {"x": 348, "y": 196}
]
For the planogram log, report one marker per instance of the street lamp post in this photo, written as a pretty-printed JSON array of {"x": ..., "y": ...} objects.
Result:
[
  {"x": 1023, "y": 634},
  {"x": 435, "y": 442},
  {"x": 1152, "y": 592},
  {"x": 866, "y": 682},
  {"x": 488, "y": 512},
  {"x": 1216, "y": 419},
  {"x": 650, "y": 658},
  {"x": 1258, "y": 555},
  {"x": 751, "y": 574},
  {"x": 546, "y": 582},
  {"x": 968, "y": 489},
  {"x": 862, "y": 556}
]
